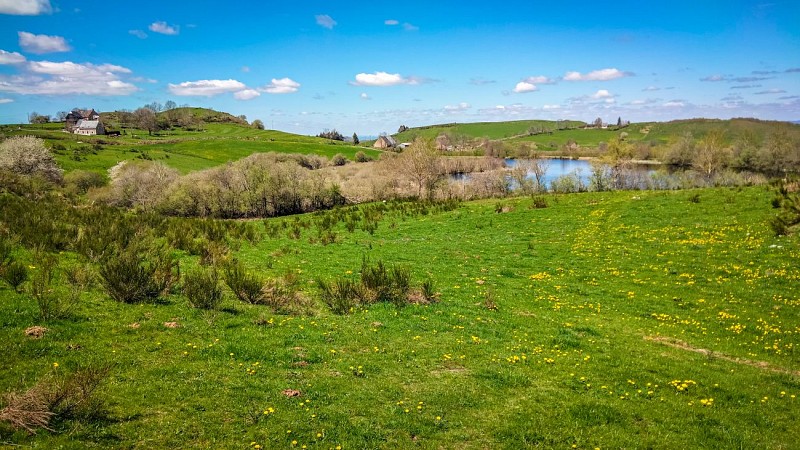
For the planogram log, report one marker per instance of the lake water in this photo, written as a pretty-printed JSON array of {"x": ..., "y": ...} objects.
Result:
[
  {"x": 635, "y": 176},
  {"x": 581, "y": 168}
]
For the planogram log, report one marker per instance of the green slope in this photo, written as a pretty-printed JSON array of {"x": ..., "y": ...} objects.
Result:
[
  {"x": 607, "y": 305},
  {"x": 222, "y": 138}
]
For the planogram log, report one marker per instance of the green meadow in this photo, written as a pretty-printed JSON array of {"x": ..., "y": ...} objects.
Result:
[
  {"x": 186, "y": 151},
  {"x": 603, "y": 320}
]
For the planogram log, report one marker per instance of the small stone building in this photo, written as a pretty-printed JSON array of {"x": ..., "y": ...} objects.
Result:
[
  {"x": 89, "y": 127},
  {"x": 385, "y": 142}
]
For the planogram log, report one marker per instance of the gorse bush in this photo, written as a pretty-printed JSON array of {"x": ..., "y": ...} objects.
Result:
[
  {"x": 14, "y": 273},
  {"x": 341, "y": 295},
  {"x": 202, "y": 288},
  {"x": 134, "y": 275},
  {"x": 377, "y": 283},
  {"x": 245, "y": 286},
  {"x": 53, "y": 303}
]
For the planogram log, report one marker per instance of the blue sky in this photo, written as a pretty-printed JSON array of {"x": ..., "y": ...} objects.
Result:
[{"x": 368, "y": 68}]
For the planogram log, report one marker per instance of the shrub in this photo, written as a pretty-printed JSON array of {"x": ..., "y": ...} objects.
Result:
[
  {"x": 247, "y": 287},
  {"x": 338, "y": 160},
  {"x": 50, "y": 300},
  {"x": 14, "y": 273},
  {"x": 362, "y": 157},
  {"x": 27, "y": 155},
  {"x": 341, "y": 295},
  {"x": 63, "y": 398},
  {"x": 284, "y": 297},
  {"x": 202, "y": 288},
  {"x": 539, "y": 202},
  {"x": 132, "y": 276}
]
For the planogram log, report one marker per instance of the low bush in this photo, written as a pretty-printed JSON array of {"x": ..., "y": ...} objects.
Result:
[
  {"x": 245, "y": 286},
  {"x": 341, "y": 295},
  {"x": 134, "y": 276},
  {"x": 202, "y": 288},
  {"x": 14, "y": 273}
]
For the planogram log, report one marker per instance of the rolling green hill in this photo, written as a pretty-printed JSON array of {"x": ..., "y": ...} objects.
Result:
[
  {"x": 214, "y": 138},
  {"x": 655, "y": 133}
]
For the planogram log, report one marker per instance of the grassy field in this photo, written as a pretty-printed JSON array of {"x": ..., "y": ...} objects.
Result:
[
  {"x": 605, "y": 320},
  {"x": 491, "y": 130},
  {"x": 216, "y": 144},
  {"x": 657, "y": 133}
]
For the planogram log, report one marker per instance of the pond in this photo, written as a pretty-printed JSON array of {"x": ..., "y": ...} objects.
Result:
[{"x": 580, "y": 167}]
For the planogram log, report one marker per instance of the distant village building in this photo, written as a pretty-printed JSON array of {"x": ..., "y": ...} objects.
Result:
[
  {"x": 89, "y": 127},
  {"x": 385, "y": 142},
  {"x": 76, "y": 117}
]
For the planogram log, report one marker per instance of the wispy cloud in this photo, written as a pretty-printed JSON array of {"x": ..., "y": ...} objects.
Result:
[
  {"x": 42, "y": 43},
  {"x": 164, "y": 28},
  {"x": 6, "y": 100},
  {"x": 461, "y": 107},
  {"x": 746, "y": 86},
  {"x": 391, "y": 22},
  {"x": 11, "y": 57},
  {"x": 793, "y": 70},
  {"x": 138, "y": 33},
  {"x": 67, "y": 78},
  {"x": 206, "y": 88},
  {"x": 597, "y": 75},
  {"x": 410, "y": 27},
  {"x": 480, "y": 81},
  {"x": 713, "y": 78},
  {"x": 365, "y": 96},
  {"x": 325, "y": 21},
  {"x": 540, "y": 79},
  {"x": 385, "y": 79},
  {"x": 281, "y": 86},
  {"x": 25, "y": 7},
  {"x": 771, "y": 91}
]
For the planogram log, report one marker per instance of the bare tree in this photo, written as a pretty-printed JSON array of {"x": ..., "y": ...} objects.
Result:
[
  {"x": 145, "y": 118},
  {"x": 711, "y": 154},
  {"x": 421, "y": 164},
  {"x": 169, "y": 104}
]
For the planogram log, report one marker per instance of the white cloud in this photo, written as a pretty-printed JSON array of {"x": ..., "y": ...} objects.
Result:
[
  {"x": 206, "y": 88},
  {"x": 282, "y": 86},
  {"x": 602, "y": 93},
  {"x": 651, "y": 89},
  {"x": 391, "y": 22},
  {"x": 597, "y": 75},
  {"x": 325, "y": 21},
  {"x": 164, "y": 28},
  {"x": 541, "y": 79},
  {"x": 25, "y": 7},
  {"x": 524, "y": 86},
  {"x": 365, "y": 96},
  {"x": 6, "y": 100},
  {"x": 11, "y": 57},
  {"x": 383, "y": 79},
  {"x": 463, "y": 106},
  {"x": 674, "y": 104},
  {"x": 41, "y": 43},
  {"x": 138, "y": 33},
  {"x": 551, "y": 107},
  {"x": 713, "y": 78},
  {"x": 247, "y": 94},
  {"x": 410, "y": 27},
  {"x": 65, "y": 78}
]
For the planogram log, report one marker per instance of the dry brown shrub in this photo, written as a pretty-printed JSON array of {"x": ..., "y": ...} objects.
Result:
[{"x": 27, "y": 411}]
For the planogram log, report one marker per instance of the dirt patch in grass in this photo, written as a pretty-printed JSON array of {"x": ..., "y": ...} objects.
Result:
[
  {"x": 35, "y": 332},
  {"x": 677, "y": 343}
]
